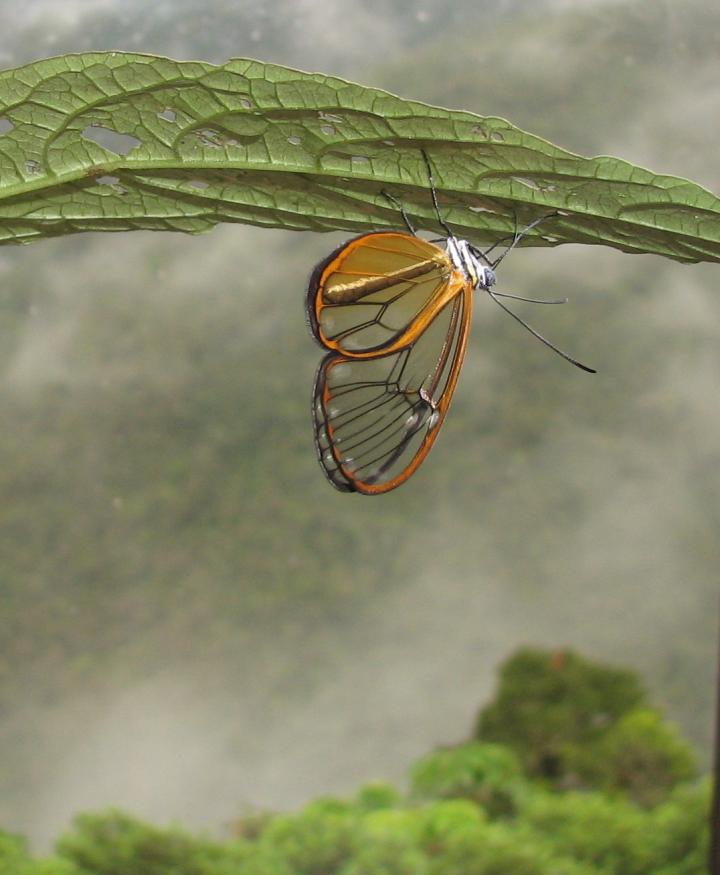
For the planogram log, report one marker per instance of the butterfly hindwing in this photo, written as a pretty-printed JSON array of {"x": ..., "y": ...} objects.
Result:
[{"x": 377, "y": 417}]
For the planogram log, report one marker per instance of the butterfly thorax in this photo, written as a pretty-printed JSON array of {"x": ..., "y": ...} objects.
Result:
[{"x": 463, "y": 257}]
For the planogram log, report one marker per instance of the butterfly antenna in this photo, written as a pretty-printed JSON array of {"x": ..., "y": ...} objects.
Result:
[
  {"x": 530, "y": 300},
  {"x": 433, "y": 192},
  {"x": 544, "y": 340},
  {"x": 517, "y": 237},
  {"x": 396, "y": 203},
  {"x": 513, "y": 240}
]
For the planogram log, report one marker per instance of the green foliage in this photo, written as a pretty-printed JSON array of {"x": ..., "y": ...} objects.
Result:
[
  {"x": 382, "y": 833},
  {"x": 574, "y": 722},
  {"x": 15, "y": 860},
  {"x": 678, "y": 835},
  {"x": 13, "y": 849},
  {"x": 118, "y": 141},
  {"x": 316, "y": 841},
  {"x": 489, "y": 774},
  {"x": 618, "y": 837},
  {"x": 377, "y": 795},
  {"x": 609, "y": 834},
  {"x": 551, "y": 834},
  {"x": 641, "y": 755},
  {"x": 114, "y": 843},
  {"x": 387, "y": 842},
  {"x": 470, "y": 811},
  {"x": 553, "y": 706},
  {"x": 498, "y": 850}
]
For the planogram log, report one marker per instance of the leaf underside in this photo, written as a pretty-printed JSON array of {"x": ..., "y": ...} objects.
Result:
[{"x": 115, "y": 142}]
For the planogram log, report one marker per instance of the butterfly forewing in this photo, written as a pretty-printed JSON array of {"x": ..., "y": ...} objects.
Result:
[
  {"x": 378, "y": 291},
  {"x": 376, "y": 418}
]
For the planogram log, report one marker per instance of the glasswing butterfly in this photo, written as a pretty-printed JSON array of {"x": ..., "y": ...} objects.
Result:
[{"x": 394, "y": 311}]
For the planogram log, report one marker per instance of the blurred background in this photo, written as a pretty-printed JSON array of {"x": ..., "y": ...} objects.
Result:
[{"x": 194, "y": 622}]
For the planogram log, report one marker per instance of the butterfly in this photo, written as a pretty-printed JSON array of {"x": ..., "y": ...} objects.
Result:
[{"x": 394, "y": 311}]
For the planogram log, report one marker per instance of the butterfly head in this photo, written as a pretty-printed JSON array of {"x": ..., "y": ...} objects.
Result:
[
  {"x": 485, "y": 276},
  {"x": 470, "y": 260}
]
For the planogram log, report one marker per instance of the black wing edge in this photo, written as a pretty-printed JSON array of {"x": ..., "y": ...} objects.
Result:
[{"x": 323, "y": 444}]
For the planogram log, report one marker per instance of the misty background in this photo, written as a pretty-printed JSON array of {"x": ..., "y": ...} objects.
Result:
[{"x": 194, "y": 623}]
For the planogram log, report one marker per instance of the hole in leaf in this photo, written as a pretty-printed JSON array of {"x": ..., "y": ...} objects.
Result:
[
  {"x": 327, "y": 129},
  {"x": 388, "y": 142},
  {"x": 209, "y": 137},
  {"x": 111, "y": 140},
  {"x": 481, "y": 210},
  {"x": 111, "y": 184},
  {"x": 523, "y": 180},
  {"x": 244, "y": 102},
  {"x": 496, "y": 135},
  {"x": 168, "y": 114},
  {"x": 5, "y": 125},
  {"x": 550, "y": 239},
  {"x": 294, "y": 141},
  {"x": 359, "y": 159},
  {"x": 199, "y": 183},
  {"x": 331, "y": 117},
  {"x": 480, "y": 130},
  {"x": 32, "y": 166}
]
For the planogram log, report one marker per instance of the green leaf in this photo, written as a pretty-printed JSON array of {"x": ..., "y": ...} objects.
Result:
[{"x": 113, "y": 141}]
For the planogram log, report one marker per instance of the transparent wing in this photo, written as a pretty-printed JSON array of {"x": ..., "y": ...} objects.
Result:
[
  {"x": 377, "y": 418},
  {"x": 377, "y": 292}
]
